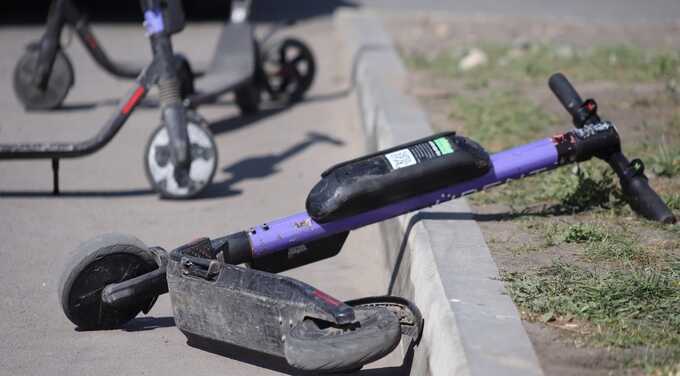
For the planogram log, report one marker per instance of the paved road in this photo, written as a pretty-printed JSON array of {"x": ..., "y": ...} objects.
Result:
[{"x": 266, "y": 167}]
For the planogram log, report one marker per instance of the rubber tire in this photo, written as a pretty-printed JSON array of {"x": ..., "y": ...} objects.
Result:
[
  {"x": 92, "y": 252},
  {"x": 309, "y": 348},
  {"x": 157, "y": 187},
  {"x": 248, "y": 98},
  {"x": 58, "y": 85},
  {"x": 303, "y": 87}
]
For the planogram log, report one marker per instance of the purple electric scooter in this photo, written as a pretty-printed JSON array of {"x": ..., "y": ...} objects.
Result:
[{"x": 116, "y": 276}]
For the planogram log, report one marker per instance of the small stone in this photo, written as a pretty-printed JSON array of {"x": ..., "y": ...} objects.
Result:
[
  {"x": 564, "y": 52},
  {"x": 441, "y": 30},
  {"x": 473, "y": 59}
]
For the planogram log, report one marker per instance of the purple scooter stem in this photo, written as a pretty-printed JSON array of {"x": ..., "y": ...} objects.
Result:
[{"x": 300, "y": 228}]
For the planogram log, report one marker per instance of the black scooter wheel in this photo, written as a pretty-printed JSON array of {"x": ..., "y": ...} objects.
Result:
[
  {"x": 59, "y": 82},
  {"x": 290, "y": 69},
  {"x": 320, "y": 346},
  {"x": 171, "y": 181},
  {"x": 106, "y": 259}
]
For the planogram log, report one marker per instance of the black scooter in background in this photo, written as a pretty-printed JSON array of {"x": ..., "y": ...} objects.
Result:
[
  {"x": 181, "y": 155},
  {"x": 282, "y": 69}
]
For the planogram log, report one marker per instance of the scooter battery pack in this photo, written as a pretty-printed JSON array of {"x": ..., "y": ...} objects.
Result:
[{"x": 392, "y": 175}]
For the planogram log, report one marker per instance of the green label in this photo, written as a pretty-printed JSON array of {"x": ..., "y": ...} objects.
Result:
[{"x": 444, "y": 145}]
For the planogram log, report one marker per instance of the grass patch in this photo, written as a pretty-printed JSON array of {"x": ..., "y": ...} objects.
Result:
[
  {"x": 500, "y": 120},
  {"x": 673, "y": 201},
  {"x": 666, "y": 161},
  {"x": 565, "y": 190},
  {"x": 584, "y": 233},
  {"x": 601, "y": 243},
  {"x": 532, "y": 62},
  {"x": 628, "y": 308}
]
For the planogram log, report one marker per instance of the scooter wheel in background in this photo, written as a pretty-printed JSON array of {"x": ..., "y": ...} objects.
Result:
[
  {"x": 248, "y": 98},
  {"x": 174, "y": 182},
  {"x": 290, "y": 69},
  {"x": 58, "y": 85},
  {"x": 320, "y": 346},
  {"x": 106, "y": 259}
]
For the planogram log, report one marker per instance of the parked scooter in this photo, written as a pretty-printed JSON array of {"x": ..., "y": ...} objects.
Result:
[
  {"x": 181, "y": 155},
  {"x": 284, "y": 69},
  {"x": 114, "y": 277}
]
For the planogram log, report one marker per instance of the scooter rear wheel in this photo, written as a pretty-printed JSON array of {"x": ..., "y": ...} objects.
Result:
[
  {"x": 58, "y": 85},
  {"x": 290, "y": 69},
  {"x": 96, "y": 263},
  {"x": 171, "y": 181},
  {"x": 320, "y": 346}
]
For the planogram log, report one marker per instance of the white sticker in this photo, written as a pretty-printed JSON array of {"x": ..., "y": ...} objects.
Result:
[{"x": 401, "y": 158}]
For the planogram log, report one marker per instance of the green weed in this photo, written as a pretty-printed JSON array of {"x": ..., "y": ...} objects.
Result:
[
  {"x": 501, "y": 119},
  {"x": 666, "y": 162},
  {"x": 583, "y": 233},
  {"x": 619, "y": 62},
  {"x": 637, "y": 307}
]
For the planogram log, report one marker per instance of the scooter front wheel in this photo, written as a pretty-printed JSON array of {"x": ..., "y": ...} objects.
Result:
[
  {"x": 106, "y": 259},
  {"x": 320, "y": 346},
  {"x": 58, "y": 85},
  {"x": 175, "y": 182}
]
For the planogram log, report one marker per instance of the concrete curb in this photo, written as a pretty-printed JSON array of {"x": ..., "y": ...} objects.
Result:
[{"x": 437, "y": 257}]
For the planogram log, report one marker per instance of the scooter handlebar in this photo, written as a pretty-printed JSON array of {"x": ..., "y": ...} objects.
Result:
[
  {"x": 640, "y": 196},
  {"x": 566, "y": 93}
]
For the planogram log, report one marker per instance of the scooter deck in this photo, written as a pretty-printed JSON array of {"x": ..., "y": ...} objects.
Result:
[{"x": 233, "y": 62}]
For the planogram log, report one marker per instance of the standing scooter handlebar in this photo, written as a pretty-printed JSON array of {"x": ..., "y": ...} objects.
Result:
[{"x": 641, "y": 197}]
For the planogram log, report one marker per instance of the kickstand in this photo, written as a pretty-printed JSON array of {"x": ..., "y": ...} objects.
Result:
[{"x": 55, "y": 176}]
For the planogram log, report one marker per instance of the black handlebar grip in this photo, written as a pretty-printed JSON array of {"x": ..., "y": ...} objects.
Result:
[
  {"x": 645, "y": 201},
  {"x": 640, "y": 196},
  {"x": 566, "y": 93}
]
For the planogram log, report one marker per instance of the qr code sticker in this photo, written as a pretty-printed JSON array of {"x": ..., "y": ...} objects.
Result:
[{"x": 401, "y": 158}]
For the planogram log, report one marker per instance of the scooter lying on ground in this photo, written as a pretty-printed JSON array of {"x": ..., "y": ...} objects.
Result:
[
  {"x": 114, "y": 277},
  {"x": 284, "y": 69},
  {"x": 181, "y": 155}
]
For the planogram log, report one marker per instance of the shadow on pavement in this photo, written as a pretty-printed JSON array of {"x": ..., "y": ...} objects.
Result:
[
  {"x": 262, "y": 166},
  {"x": 142, "y": 324},
  {"x": 279, "y": 364},
  {"x": 239, "y": 121},
  {"x": 78, "y": 194}
]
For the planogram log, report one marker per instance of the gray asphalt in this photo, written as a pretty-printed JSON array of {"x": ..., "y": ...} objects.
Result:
[{"x": 267, "y": 165}]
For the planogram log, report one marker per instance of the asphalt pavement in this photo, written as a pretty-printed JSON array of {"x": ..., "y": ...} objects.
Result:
[{"x": 267, "y": 164}]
